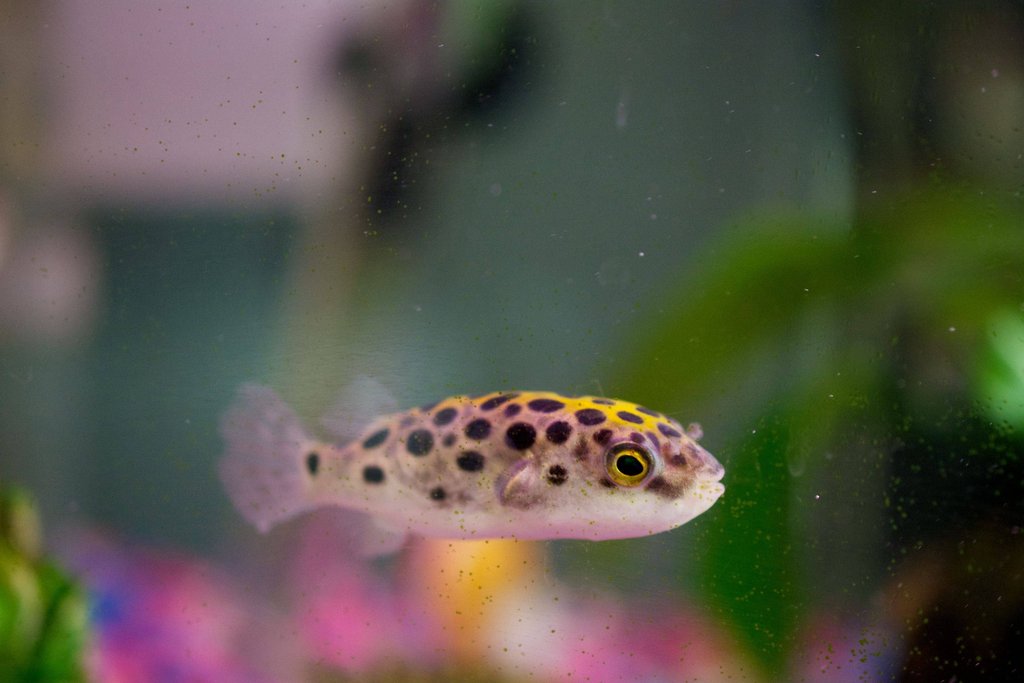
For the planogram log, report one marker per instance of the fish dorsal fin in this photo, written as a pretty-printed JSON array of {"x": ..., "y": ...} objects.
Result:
[
  {"x": 520, "y": 485},
  {"x": 358, "y": 403}
]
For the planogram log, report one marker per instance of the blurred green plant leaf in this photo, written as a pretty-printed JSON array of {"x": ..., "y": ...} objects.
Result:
[
  {"x": 43, "y": 613},
  {"x": 750, "y": 569},
  {"x": 1000, "y": 373},
  {"x": 752, "y": 289},
  {"x": 847, "y": 319}
]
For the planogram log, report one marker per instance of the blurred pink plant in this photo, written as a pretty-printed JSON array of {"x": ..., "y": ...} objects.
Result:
[
  {"x": 835, "y": 651},
  {"x": 162, "y": 618},
  {"x": 647, "y": 643},
  {"x": 491, "y": 606},
  {"x": 448, "y": 606},
  {"x": 348, "y": 618}
]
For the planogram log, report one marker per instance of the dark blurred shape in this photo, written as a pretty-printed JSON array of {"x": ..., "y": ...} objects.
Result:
[
  {"x": 427, "y": 84},
  {"x": 936, "y": 99},
  {"x": 934, "y": 90},
  {"x": 850, "y": 359},
  {"x": 960, "y": 603}
]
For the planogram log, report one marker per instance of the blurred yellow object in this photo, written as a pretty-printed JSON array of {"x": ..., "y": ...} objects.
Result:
[
  {"x": 20, "y": 528},
  {"x": 467, "y": 585}
]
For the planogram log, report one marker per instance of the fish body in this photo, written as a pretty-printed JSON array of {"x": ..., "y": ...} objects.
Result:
[{"x": 519, "y": 464}]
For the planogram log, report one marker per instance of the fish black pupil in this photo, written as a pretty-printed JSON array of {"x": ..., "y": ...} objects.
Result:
[{"x": 629, "y": 465}]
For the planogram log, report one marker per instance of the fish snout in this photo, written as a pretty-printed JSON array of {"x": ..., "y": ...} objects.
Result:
[
  {"x": 706, "y": 465},
  {"x": 709, "y": 476}
]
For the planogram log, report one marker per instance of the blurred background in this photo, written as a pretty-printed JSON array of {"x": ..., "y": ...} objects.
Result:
[{"x": 800, "y": 224}]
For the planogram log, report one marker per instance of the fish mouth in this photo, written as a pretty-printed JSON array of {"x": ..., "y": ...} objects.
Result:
[{"x": 711, "y": 477}]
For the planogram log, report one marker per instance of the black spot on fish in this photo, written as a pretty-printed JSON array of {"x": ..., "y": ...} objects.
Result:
[
  {"x": 602, "y": 436},
  {"x": 419, "y": 442},
  {"x": 445, "y": 416},
  {"x": 545, "y": 405},
  {"x": 557, "y": 475},
  {"x": 373, "y": 474},
  {"x": 648, "y": 411},
  {"x": 590, "y": 416},
  {"x": 376, "y": 439},
  {"x": 660, "y": 486},
  {"x": 603, "y": 402},
  {"x": 688, "y": 455},
  {"x": 559, "y": 432},
  {"x": 668, "y": 431},
  {"x": 313, "y": 463},
  {"x": 520, "y": 436},
  {"x": 470, "y": 461},
  {"x": 448, "y": 441},
  {"x": 630, "y": 417},
  {"x": 438, "y": 493},
  {"x": 513, "y": 409},
  {"x": 478, "y": 429},
  {"x": 494, "y": 402},
  {"x": 637, "y": 438},
  {"x": 582, "y": 449}
]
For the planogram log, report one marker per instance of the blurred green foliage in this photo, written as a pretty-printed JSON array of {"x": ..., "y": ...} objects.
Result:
[
  {"x": 912, "y": 312},
  {"x": 43, "y": 613}
]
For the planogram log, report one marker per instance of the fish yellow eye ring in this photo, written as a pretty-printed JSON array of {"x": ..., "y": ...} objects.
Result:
[{"x": 628, "y": 464}]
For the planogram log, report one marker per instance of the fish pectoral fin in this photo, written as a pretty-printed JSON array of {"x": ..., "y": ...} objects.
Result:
[
  {"x": 379, "y": 538},
  {"x": 361, "y": 534},
  {"x": 520, "y": 485}
]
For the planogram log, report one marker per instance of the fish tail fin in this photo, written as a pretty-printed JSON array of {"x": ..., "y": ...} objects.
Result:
[{"x": 264, "y": 464}]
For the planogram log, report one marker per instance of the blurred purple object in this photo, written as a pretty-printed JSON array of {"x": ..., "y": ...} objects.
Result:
[
  {"x": 350, "y": 619},
  {"x": 164, "y": 618},
  {"x": 838, "y": 652}
]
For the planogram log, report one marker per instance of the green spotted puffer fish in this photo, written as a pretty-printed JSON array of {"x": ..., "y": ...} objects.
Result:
[{"x": 518, "y": 464}]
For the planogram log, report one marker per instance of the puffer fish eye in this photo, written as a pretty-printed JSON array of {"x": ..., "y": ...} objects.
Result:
[{"x": 628, "y": 464}]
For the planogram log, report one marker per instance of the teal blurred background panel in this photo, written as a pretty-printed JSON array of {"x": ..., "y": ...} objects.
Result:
[
  {"x": 193, "y": 296},
  {"x": 561, "y": 224}
]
